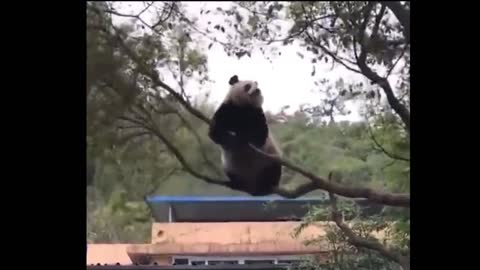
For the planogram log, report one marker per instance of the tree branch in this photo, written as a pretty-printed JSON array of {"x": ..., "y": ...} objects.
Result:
[
  {"x": 203, "y": 150},
  {"x": 153, "y": 75},
  {"x": 402, "y": 15},
  {"x": 361, "y": 242},
  {"x": 133, "y": 135},
  {"x": 323, "y": 48},
  {"x": 402, "y": 200},
  {"x": 398, "y": 107},
  {"x": 145, "y": 9},
  {"x": 391, "y": 155},
  {"x": 396, "y": 62},
  {"x": 128, "y": 16},
  {"x": 331, "y": 54},
  {"x": 162, "y": 20},
  {"x": 174, "y": 150},
  {"x": 161, "y": 181}
]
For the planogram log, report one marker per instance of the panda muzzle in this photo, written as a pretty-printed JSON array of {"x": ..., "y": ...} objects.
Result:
[{"x": 254, "y": 92}]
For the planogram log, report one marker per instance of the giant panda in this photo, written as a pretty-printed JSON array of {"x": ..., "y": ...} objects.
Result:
[{"x": 238, "y": 121}]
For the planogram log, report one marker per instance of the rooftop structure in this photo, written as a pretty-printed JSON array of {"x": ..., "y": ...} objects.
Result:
[
  {"x": 208, "y": 231},
  {"x": 233, "y": 208}
]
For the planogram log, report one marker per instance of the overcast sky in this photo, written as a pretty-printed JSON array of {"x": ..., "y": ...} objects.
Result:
[{"x": 286, "y": 80}]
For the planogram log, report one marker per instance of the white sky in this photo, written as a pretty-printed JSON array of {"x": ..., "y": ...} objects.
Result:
[{"x": 286, "y": 80}]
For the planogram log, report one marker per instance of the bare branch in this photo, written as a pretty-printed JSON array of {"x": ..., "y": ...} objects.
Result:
[
  {"x": 331, "y": 54},
  {"x": 151, "y": 27},
  {"x": 145, "y": 9},
  {"x": 391, "y": 199},
  {"x": 161, "y": 19},
  {"x": 127, "y": 16},
  {"x": 361, "y": 242}
]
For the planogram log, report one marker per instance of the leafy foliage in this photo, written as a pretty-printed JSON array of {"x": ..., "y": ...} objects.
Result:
[{"x": 128, "y": 161}]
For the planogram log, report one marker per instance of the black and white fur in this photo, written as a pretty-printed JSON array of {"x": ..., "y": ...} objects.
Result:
[{"x": 238, "y": 121}]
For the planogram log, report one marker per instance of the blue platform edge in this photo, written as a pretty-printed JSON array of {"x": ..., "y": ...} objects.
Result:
[{"x": 158, "y": 199}]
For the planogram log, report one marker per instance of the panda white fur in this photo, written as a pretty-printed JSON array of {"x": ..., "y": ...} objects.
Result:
[{"x": 241, "y": 115}]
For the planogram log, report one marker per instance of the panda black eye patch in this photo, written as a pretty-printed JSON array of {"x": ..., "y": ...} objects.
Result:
[{"x": 247, "y": 87}]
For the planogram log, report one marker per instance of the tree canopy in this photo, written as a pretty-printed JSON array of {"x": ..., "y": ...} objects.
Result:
[{"x": 146, "y": 125}]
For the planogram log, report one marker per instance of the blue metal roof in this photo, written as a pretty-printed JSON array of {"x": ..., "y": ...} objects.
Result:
[
  {"x": 230, "y": 208},
  {"x": 187, "y": 199}
]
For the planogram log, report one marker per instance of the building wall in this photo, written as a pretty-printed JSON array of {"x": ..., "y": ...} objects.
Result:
[
  {"x": 107, "y": 254},
  {"x": 214, "y": 239},
  {"x": 225, "y": 233}
]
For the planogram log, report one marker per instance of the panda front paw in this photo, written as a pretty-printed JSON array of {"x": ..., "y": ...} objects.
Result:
[{"x": 234, "y": 141}]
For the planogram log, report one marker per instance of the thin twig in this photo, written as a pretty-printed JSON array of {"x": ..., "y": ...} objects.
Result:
[
  {"x": 145, "y": 9},
  {"x": 162, "y": 20},
  {"x": 174, "y": 150},
  {"x": 381, "y": 148},
  {"x": 203, "y": 150},
  {"x": 361, "y": 242},
  {"x": 331, "y": 54},
  {"x": 161, "y": 181}
]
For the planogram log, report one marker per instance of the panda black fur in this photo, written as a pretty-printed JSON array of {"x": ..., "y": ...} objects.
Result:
[{"x": 241, "y": 114}]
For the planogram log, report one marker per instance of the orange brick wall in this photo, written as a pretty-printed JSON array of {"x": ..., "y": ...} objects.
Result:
[{"x": 233, "y": 232}]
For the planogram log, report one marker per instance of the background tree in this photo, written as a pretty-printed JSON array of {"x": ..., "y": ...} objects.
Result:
[{"x": 142, "y": 123}]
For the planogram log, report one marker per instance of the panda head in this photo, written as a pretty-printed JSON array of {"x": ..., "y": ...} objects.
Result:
[{"x": 244, "y": 93}]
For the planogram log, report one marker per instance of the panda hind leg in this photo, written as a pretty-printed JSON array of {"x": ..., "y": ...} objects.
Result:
[
  {"x": 235, "y": 182},
  {"x": 268, "y": 180}
]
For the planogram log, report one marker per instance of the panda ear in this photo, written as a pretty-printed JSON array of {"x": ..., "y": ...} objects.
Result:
[{"x": 233, "y": 80}]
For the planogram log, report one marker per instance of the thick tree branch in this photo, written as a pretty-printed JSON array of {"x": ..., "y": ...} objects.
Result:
[
  {"x": 396, "y": 105},
  {"x": 361, "y": 242},
  {"x": 317, "y": 182}
]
